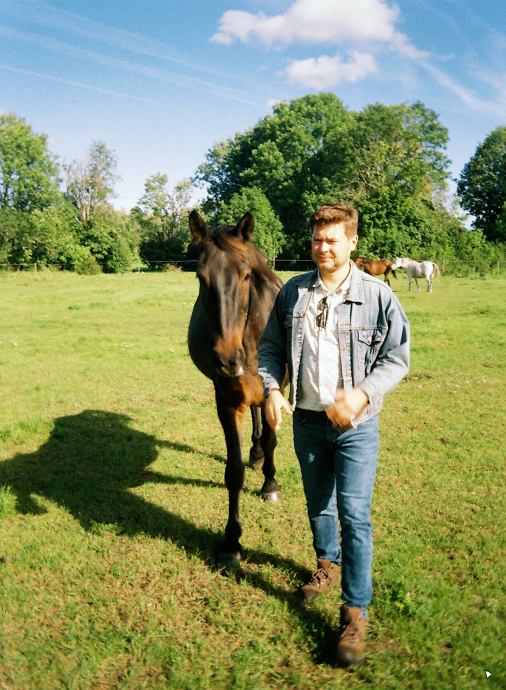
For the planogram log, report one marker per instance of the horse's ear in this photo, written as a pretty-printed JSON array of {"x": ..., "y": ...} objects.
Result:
[
  {"x": 245, "y": 226},
  {"x": 198, "y": 227}
]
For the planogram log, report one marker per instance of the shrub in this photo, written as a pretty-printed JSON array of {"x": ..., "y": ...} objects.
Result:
[{"x": 84, "y": 262}]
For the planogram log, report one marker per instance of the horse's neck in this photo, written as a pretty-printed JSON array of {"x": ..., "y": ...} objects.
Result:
[
  {"x": 266, "y": 279},
  {"x": 263, "y": 292}
]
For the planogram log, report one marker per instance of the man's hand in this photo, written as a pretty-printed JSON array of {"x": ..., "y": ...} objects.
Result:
[
  {"x": 348, "y": 404},
  {"x": 273, "y": 406}
]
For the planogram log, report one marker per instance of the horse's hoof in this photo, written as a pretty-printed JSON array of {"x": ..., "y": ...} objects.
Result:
[
  {"x": 229, "y": 559},
  {"x": 271, "y": 496}
]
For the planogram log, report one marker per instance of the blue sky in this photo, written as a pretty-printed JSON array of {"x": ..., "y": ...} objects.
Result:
[{"x": 161, "y": 81}]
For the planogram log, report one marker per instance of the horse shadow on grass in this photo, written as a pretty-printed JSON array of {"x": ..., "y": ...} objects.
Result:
[{"x": 90, "y": 463}]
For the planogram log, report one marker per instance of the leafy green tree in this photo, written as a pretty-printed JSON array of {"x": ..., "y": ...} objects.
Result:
[
  {"x": 268, "y": 235},
  {"x": 482, "y": 186},
  {"x": 90, "y": 183},
  {"x": 84, "y": 262},
  {"x": 396, "y": 146},
  {"x": 155, "y": 201},
  {"x": 15, "y": 235},
  {"x": 275, "y": 157},
  {"x": 112, "y": 239},
  {"x": 386, "y": 160},
  {"x": 53, "y": 238},
  {"x": 110, "y": 236},
  {"x": 28, "y": 172},
  {"x": 383, "y": 227},
  {"x": 163, "y": 219},
  {"x": 500, "y": 224},
  {"x": 432, "y": 136}
]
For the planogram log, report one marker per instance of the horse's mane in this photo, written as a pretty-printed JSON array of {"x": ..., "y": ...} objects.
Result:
[{"x": 222, "y": 238}]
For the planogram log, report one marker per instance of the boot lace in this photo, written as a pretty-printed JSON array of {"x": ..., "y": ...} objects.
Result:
[
  {"x": 348, "y": 631},
  {"x": 319, "y": 577}
]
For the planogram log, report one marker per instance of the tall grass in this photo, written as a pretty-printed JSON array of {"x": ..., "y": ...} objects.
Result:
[{"x": 112, "y": 499}]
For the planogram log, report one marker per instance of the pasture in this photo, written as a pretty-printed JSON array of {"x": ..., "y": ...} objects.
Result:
[{"x": 112, "y": 499}]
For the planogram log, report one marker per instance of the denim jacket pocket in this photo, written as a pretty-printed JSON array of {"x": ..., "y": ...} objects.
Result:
[
  {"x": 369, "y": 343},
  {"x": 288, "y": 324},
  {"x": 291, "y": 321}
]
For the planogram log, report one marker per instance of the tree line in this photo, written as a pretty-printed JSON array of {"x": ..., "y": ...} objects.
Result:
[
  {"x": 62, "y": 217},
  {"x": 389, "y": 161}
]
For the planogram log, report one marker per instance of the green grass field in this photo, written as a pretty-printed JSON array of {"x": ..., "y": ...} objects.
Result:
[{"x": 112, "y": 499}]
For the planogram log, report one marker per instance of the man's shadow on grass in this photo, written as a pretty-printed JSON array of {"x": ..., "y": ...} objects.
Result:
[{"x": 88, "y": 466}]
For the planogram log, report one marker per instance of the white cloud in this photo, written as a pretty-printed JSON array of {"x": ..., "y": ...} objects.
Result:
[
  {"x": 326, "y": 72},
  {"x": 236, "y": 24},
  {"x": 318, "y": 22}
]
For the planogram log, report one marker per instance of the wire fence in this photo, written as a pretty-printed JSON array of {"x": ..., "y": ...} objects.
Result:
[
  {"x": 191, "y": 265},
  {"x": 451, "y": 266},
  {"x": 19, "y": 267}
]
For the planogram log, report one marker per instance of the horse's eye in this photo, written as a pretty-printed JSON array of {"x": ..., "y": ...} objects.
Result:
[{"x": 247, "y": 277}]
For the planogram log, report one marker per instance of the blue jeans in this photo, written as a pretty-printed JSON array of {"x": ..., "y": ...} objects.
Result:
[{"x": 338, "y": 472}]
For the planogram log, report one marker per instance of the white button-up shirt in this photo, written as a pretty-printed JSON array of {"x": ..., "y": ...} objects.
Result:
[{"x": 320, "y": 371}]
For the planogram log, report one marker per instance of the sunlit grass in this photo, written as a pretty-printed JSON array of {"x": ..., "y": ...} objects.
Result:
[{"x": 112, "y": 499}]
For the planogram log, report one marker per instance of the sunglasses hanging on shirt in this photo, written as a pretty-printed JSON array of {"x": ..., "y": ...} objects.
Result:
[{"x": 322, "y": 311}]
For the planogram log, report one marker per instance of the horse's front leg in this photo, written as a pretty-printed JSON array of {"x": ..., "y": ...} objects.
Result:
[
  {"x": 417, "y": 285},
  {"x": 256, "y": 453},
  {"x": 270, "y": 491},
  {"x": 231, "y": 421}
]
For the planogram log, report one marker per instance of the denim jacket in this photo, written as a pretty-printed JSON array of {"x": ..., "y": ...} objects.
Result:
[{"x": 373, "y": 335}]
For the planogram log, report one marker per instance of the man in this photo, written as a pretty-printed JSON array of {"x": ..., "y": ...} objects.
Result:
[{"x": 345, "y": 339}]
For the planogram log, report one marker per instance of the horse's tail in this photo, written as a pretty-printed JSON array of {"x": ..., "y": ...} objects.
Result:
[
  {"x": 393, "y": 273},
  {"x": 437, "y": 272}
]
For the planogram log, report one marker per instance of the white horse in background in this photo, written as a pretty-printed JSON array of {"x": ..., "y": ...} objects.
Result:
[{"x": 417, "y": 269}]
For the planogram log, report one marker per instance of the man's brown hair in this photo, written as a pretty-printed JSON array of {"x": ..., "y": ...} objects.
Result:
[{"x": 329, "y": 214}]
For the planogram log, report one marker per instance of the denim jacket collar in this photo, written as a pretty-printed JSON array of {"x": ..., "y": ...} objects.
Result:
[{"x": 355, "y": 293}]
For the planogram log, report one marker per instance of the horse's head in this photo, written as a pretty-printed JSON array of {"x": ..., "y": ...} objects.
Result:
[
  {"x": 359, "y": 261},
  {"x": 224, "y": 271},
  {"x": 397, "y": 263}
]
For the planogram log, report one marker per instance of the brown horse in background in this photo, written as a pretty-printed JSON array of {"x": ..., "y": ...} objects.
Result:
[
  {"x": 237, "y": 292},
  {"x": 376, "y": 267}
]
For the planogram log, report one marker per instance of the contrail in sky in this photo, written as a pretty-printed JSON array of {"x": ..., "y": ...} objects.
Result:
[
  {"x": 71, "y": 23},
  {"x": 80, "y": 84},
  {"x": 152, "y": 72}
]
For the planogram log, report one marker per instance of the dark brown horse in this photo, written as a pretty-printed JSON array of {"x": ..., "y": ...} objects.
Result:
[
  {"x": 237, "y": 291},
  {"x": 376, "y": 267}
]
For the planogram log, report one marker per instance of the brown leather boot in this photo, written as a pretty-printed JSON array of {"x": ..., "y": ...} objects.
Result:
[
  {"x": 351, "y": 644},
  {"x": 326, "y": 576}
]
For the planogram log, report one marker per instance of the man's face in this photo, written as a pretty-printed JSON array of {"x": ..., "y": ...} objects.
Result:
[{"x": 331, "y": 247}]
